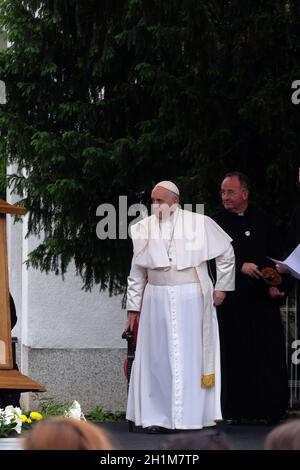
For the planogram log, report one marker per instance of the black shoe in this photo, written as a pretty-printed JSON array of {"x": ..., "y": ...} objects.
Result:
[{"x": 155, "y": 430}]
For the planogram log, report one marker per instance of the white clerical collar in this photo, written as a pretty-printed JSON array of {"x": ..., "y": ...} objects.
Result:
[{"x": 241, "y": 214}]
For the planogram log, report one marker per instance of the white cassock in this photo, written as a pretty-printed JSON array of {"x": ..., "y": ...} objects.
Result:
[{"x": 178, "y": 339}]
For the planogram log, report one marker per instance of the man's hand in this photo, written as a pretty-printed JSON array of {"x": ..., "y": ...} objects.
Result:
[
  {"x": 131, "y": 317},
  {"x": 281, "y": 269},
  {"x": 275, "y": 293},
  {"x": 250, "y": 269},
  {"x": 218, "y": 297}
]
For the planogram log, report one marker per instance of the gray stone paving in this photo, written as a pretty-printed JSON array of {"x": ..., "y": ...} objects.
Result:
[
  {"x": 11, "y": 443},
  {"x": 241, "y": 437}
]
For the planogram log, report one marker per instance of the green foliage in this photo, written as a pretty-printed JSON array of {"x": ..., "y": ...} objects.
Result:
[
  {"x": 3, "y": 179},
  {"x": 99, "y": 415},
  {"x": 49, "y": 407},
  {"x": 6, "y": 428},
  {"x": 107, "y": 98},
  {"x": 256, "y": 124}
]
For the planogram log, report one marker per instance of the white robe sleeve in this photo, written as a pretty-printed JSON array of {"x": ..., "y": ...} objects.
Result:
[
  {"x": 225, "y": 270},
  {"x": 136, "y": 282},
  {"x": 216, "y": 240}
]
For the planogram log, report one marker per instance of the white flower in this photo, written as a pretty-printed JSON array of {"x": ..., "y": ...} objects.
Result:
[
  {"x": 74, "y": 411},
  {"x": 11, "y": 415},
  {"x": 18, "y": 426},
  {"x": 5, "y": 419},
  {"x": 8, "y": 414},
  {"x": 18, "y": 411}
]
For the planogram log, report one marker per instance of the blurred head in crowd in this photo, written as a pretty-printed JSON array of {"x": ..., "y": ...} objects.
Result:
[
  {"x": 66, "y": 434},
  {"x": 284, "y": 437}
]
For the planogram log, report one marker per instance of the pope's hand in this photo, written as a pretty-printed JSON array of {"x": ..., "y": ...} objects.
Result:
[
  {"x": 218, "y": 297},
  {"x": 251, "y": 270},
  {"x": 131, "y": 317}
]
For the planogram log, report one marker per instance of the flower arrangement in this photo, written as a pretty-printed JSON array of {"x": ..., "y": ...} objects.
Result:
[{"x": 14, "y": 420}]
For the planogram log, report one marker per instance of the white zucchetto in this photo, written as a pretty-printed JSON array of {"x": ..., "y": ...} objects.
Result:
[{"x": 168, "y": 185}]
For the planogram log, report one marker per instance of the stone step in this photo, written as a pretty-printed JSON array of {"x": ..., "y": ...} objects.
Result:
[{"x": 11, "y": 443}]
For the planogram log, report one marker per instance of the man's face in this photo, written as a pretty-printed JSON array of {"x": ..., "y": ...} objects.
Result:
[
  {"x": 164, "y": 202},
  {"x": 234, "y": 197}
]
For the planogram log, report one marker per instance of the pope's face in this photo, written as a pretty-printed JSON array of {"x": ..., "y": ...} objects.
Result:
[
  {"x": 234, "y": 197},
  {"x": 164, "y": 202}
]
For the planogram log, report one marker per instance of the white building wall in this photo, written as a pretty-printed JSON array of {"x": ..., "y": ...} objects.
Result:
[{"x": 62, "y": 315}]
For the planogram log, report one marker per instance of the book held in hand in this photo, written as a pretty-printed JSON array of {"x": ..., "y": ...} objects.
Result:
[{"x": 291, "y": 263}]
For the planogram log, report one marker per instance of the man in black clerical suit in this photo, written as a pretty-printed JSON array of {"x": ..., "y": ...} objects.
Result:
[{"x": 253, "y": 363}]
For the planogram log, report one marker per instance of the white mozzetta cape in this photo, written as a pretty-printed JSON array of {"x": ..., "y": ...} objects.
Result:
[{"x": 197, "y": 239}]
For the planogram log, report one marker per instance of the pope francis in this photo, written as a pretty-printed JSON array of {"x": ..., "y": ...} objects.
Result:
[{"x": 175, "y": 379}]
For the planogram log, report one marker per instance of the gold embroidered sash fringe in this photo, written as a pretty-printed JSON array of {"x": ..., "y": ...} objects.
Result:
[{"x": 208, "y": 381}]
